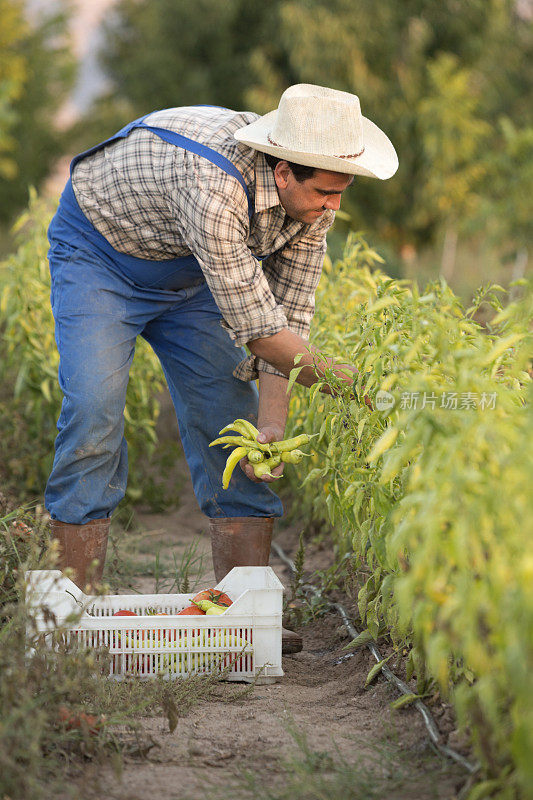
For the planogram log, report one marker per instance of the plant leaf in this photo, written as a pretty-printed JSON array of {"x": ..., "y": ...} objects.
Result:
[
  {"x": 385, "y": 441},
  {"x": 404, "y": 700},
  {"x": 363, "y": 638},
  {"x": 376, "y": 669}
]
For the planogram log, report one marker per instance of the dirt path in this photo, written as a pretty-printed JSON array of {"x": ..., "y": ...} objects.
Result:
[{"x": 320, "y": 714}]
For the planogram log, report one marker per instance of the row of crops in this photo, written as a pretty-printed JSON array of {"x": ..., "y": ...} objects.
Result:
[
  {"x": 432, "y": 490},
  {"x": 30, "y": 397}
]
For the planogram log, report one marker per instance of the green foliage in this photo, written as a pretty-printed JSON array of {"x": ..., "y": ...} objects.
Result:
[
  {"x": 427, "y": 80},
  {"x": 36, "y": 70},
  {"x": 508, "y": 213},
  {"x": 185, "y": 53},
  {"x": 435, "y": 501},
  {"x": 448, "y": 82},
  {"x": 30, "y": 400},
  {"x": 12, "y": 77},
  {"x": 453, "y": 137}
]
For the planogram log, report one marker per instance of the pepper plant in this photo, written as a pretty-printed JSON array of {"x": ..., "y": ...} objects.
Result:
[
  {"x": 430, "y": 490},
  {"x": 30, "y": 398}
]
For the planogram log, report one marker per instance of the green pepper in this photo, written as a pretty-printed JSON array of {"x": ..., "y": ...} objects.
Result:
[
  {"x": 231, "y": 463},
  {"x": 287, "y": 445}
]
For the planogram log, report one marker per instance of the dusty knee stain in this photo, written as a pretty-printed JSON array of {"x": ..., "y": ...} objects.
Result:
[{"x": 90, "y": 450}]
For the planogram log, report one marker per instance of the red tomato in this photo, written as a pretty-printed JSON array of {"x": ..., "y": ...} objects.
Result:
[
  {"x": 79, "y": 719},
  {"x": 192, "y": 611},
  {"x": 20, "y": 530},
  {"x": 214, "y": 596},
  {"x": 125, "y": 613}
]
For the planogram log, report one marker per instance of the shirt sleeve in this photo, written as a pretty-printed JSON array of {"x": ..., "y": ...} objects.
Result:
[
  {"x": 214, "y": 224},
  {"x": 293, "y": 274}
]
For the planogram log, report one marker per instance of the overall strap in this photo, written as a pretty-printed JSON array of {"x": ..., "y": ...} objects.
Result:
[
  {"x": 179, "y": 141},
  {"x": 121, "y": 134},
  {"x": 200, "y": 150}
]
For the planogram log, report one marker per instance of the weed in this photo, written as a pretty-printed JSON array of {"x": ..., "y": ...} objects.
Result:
[
  {"x": 316, "y": 774},
  {"x": 188, "y": 570},
  {"x": 292, "y": 609},
  {"x": 301, "y": 606},
  {"x": 24, "y": 544}
]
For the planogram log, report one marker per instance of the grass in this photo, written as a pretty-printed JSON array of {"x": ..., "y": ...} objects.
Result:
[
  {"x": 187, "y": 570},
  {"x": 300, "y": 606},
  {"x": 172, "y": 573},
  {"x": 375, "y": 771}
]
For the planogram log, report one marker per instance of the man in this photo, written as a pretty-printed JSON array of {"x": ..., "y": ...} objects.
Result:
[{"x": 202, "y": 230}]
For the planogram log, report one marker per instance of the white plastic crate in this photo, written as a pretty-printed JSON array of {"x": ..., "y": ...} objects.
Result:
[{"x": 248, "y": 633}]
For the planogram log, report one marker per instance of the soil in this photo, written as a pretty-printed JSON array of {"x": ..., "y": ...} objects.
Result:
[{"x": 319, "y": 716}]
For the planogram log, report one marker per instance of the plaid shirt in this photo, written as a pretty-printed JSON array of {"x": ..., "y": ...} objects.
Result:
[{"x": 156, "y": 201}]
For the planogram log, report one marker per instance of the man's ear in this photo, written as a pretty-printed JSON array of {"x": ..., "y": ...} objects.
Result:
[{"x": 282, "y": 174}]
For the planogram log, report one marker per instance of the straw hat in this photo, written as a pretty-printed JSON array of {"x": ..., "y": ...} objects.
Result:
[{"x": 322, "y": 128}]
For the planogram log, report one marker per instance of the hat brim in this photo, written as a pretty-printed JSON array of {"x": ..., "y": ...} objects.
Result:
[{"x": 378, "y": 160}]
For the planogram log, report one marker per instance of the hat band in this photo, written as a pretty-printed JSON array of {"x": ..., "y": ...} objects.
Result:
[{"x": 353, "y": 155}]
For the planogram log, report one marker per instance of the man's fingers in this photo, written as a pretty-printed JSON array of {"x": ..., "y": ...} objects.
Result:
[
  {"x": 277, "y": 472},
  {"x": 248, "y": 470}
]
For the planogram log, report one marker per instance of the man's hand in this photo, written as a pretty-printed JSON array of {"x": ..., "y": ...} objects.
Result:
[
  {"x": 267, "y": 433},
  {"x": 281, "y": 349},
  {"x": 271, "y": 419}
]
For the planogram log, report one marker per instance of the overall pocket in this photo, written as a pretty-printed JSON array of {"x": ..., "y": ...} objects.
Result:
[{"x": 181, "y": 273}]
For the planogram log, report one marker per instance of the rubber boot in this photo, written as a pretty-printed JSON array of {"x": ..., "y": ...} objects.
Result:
[
  {"x": 83, "y": 548},
  {"x": 245, "y": 542}
]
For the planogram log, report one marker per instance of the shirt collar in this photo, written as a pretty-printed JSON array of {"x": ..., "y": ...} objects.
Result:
[{"x": 266, "y": 193}]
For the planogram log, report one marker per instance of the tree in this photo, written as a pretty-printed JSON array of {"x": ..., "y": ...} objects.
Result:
[
  {"x": 435, "y": 76},
  {"x": 164, "y": 53},
  {"x": 423, "y": 73},
  {"x": 12, "y": 77},
  {"x": 506, "y": 212},
  {"x": 453, "y": 137},
  {"x": 36, "y": 70}
]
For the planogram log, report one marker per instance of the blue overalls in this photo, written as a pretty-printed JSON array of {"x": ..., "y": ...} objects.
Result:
[{"x": 102, "y": 300}]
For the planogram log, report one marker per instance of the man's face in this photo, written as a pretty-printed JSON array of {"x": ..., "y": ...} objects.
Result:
[{"x": 307, "y": 200}]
